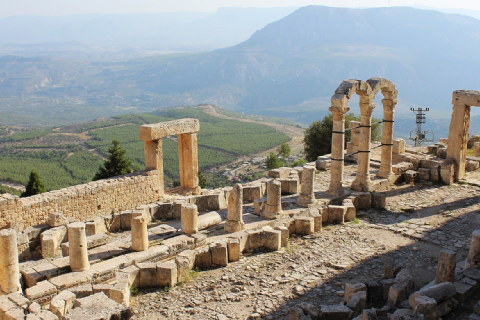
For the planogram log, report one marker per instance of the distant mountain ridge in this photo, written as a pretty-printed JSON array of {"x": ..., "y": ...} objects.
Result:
[{"x": 289, "y": 69}]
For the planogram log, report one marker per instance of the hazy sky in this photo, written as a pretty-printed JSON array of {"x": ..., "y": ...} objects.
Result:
[{"x": 63, "y": 7}]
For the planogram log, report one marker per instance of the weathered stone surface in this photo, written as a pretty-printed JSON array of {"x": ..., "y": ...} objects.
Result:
[
  {"x": 351, "y": 288},
  {"x": 183, "y": 269},
  {"x": 203, "y": 258},
  {"x": 309, "y": 309},
  {"x": 82, "y": 291},
  {"x": 9, "y": 268},
  {"x": 440, "y": 292},
  {"x": 304, "y": 225},
  {"x": 379, "y": 200},
  {"x": 62, "y": 303},
  {"x": 399, "y": 146},
  {"x": 369, "y": 314},
  {"x": 163, "y": 129},
  {"x": 391, "y": 269},
  {"x": 447, "y": 306},
  {"x": 148, "y": 274},
  {"x": 97, "y": 306},
  {"x": 219, "y": 254},
  {"x": 209, "y": 219},
  {"x": 92, "y": 242},
  {"x": 336, "y": 214},
  {"x": 446, "y": 266},
  {"x": 41, "y": 293},
  {"x": 233, "y": 248},
  {"x": 357, "y": 302},
  {"x": 189, "y": 218},
  {"x": 426, "y": 306},
  {"x": 167, "y": 274},
  {"x": 273, "y": 206},
  {"x": 335, "y": 312},
  {"x": 95, "y": 226},
  {"x": 51, "y": 241},
  {"x": 56, "y": 219},
  {"x": 234, "y": 221},
  {"x": 464, "y": 290},
  {"x": 78, "y": 247},
  {"x": 72, "y": 279},
  {"x": 410, "y": 176}
]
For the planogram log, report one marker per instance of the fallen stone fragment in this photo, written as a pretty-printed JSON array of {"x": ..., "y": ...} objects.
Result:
[{"x": 96, "y": 307}]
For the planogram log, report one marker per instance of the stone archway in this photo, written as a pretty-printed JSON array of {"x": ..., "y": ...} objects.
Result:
[
  {"x": 339, "y": 107},
  {"x": 186, "y": 130},
  {"x": 462, "y": 101}
]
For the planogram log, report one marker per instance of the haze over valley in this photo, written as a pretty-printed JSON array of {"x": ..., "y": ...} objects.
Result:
[{"x": 63, "y": 70}]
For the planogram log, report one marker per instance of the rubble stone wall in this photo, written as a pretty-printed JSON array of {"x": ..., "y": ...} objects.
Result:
[{"x": 83, "y": 202}]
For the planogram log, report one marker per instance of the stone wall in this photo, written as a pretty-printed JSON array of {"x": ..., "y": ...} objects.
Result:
[{"x": 82, "y": 202}]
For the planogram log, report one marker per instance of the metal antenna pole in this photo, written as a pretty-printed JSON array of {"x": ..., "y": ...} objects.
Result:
[{"x": 420, "y": 135}]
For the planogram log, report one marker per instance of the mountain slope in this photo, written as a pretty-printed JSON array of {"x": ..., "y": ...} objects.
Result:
[{"x": 289, "y": 69}]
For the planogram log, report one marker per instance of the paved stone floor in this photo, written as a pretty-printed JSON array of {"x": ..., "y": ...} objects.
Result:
[{"x": 419, "y": 221}]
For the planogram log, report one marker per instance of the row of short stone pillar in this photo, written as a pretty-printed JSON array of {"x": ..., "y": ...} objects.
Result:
[{"x": 9, "y": 266}]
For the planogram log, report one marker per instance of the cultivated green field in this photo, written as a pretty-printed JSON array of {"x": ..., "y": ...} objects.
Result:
[{"x": 66, "y": 156}]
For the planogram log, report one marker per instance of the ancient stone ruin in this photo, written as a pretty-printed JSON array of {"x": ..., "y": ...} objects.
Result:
[{"x": 80, "y": 252}]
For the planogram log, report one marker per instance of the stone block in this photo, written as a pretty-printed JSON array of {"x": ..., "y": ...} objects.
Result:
[
  {"x": 120, "y": 293},
  {"x": 464, "y": 290},
  {"x": 183, "y": 269},
  {"x": 125, "y": 220},
  {"x": 272, "y": 239},
  {"x": 177, "y": 208},
  {"x": 179, "y": 243},
  {"x": 471, "y": 165},
  {"x": 369, "y": 314},
  {"x": 148, "y": 274},
  {"x": 309, "y": 309},
  {"x": 304, "y": 225},
  {"x": 199, "y": 239},
  {"x": 336, "y": 214},
  {"x": 167, "y": 274},
  {"x": 23, "y": 247},
  {"x": 323, "y": 164},
  {"x": 284, "y": 235},
  {"x": 399, "y": 146},
  {"x": 426, "y": 306},
  {"x": 391, "y": 269},
  {"x": 51, "y": 240},
  {"x": 259, "y": 205},
  {"x": 440, "y": 292},
  {"x": 351, "y": 212},
  {"x": 446, "y": 266},
  {"x": 357, "y": 302},
  {"x": 447, "y": 306},
  {"x": 335, "y": 312},
  {"x": 7, "y": 304},
  {"x": 132, "y": 274},
  {"x": 47, "y": 269},
  {"x": 435, "y": 175},
  {"x": 362, "y": 200},
  {"x": 398, "y": 293},
  {"x": 386, "y": 284},
  {"x": 447, "y": 171},
  {"x": 31, "y": 277},
  {"x": 351, "y": 288},
  {"x": 203, "y": 258},
  {"x": 424, "y": 174},
  {"x": 112, "y": 222},
  {"x": 190, "y": 255},
  {"x": 19, "y": 299},
  {"x": 374, "y": 291},
  {"x": 233, "y": 247},
  {"x": 72, "y": 279},
  {"x": 97, "y": 306},
  {"x": 160, "y": 130},
  {"x": 402, "y": 167},
  {"x": 62, "y": 303},
  {"x": 442, "y": 153},
  {"x": 379, "y": 200},
  {"x": 163, "y": 211},
  {"x": 95, "y": 226},
  {"x": 217, "y": 201},
  {"x": 82, "y": 291},
  {"x": 41, "y": 293},
  {"x": 410, "y": 176},
  {"x": 56, "y": 219},
  {"x": 295, "y": 313},
  {"x": 219, "y": 254},
  {"x": 405, "y": 317}
]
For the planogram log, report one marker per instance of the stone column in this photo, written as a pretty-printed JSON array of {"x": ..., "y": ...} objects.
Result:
[
  {"x": 307, "y": 196},
  {"x": 189, "y": 218},
  {"x": 153, "y": 154},
  {"x": 188, "y": 161},
  {"x": 474, "y": 252},
  {"x": 387, "y": 139},
  {"x": 139, "y": 234},
  {"x": 77, "y": 240},
  {"x": 338, "y": 144},
  {"x": 362, "y": 180},
  {"x": 234, "y": 221},
  {"x": 446, "y": 266},
  {"x": 9, "y": 270},
  {"x": 458, "y": 138},
  {"x": 274, "y": 199}
]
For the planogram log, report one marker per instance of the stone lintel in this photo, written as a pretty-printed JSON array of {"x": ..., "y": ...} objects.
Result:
[
  {"x": 163, "y": 129},
  {"x": 466, "y": 97}
]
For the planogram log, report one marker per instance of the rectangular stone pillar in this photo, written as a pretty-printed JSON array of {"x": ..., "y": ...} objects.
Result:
[
  {"x": 458, "y": 138},
  {"x": 153, "y": 154},
  {"x": 387, "y": 139},
  {"x": 362, "y": 180},
  {"x": 188, "y": 160},
  {"x": 338, "y": 146}
]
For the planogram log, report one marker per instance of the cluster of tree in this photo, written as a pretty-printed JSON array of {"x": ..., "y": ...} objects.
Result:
[{"x": 318, "y": 136}]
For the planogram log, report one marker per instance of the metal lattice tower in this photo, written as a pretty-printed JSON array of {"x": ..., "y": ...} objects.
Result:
[{"x": 420, "y": 135}]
